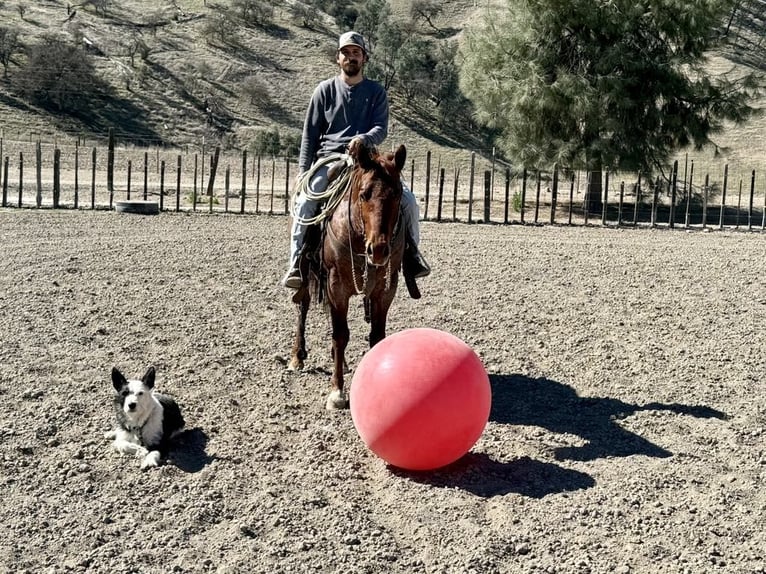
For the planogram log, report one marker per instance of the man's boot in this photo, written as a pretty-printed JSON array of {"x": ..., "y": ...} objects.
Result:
[
  {"x": 414, "y": 263},
  {"x": 413, "y": 266}
]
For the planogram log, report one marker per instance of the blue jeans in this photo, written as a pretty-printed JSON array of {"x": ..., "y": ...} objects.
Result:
[{"x": 306, "y": 208}]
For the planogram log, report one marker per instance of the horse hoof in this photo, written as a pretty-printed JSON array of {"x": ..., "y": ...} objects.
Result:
[
  {"x": 336, "y": 401},
  {"x": 295, "y": 365}
]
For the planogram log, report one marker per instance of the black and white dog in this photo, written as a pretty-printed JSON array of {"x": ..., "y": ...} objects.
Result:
[{"x": 146, "y": 421}]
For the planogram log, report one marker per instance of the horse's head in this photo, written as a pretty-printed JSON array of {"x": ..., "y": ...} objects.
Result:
[{"x": 378, "y": 191}]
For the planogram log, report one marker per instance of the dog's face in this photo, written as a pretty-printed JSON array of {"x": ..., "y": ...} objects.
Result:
[{"x": 134, "y": 396}]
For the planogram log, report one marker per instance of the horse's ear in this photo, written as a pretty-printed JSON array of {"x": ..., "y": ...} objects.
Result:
[
  {"x": 363, "y": 157},
  {"x": 400, "y": 156}
]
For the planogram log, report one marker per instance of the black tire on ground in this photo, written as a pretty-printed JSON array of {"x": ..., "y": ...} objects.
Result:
[{"x": 137, "y": 206}]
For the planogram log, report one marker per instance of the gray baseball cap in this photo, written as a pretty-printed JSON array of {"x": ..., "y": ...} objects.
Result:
[{"x": 352, "y": 39}]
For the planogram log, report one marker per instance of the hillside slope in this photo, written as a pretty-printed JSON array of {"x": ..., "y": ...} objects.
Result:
[
  {"x": 189, "y": 86},
  {"x": 174, "y": 84}
]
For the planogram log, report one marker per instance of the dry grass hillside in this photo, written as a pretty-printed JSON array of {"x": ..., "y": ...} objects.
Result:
[{"x": 187, "y": 86}]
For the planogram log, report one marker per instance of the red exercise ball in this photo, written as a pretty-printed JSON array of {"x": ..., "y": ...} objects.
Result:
[{"x": 420, "y": 399}]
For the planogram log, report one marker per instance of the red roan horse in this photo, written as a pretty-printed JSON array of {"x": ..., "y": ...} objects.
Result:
[{"x": 361, "y": 252}]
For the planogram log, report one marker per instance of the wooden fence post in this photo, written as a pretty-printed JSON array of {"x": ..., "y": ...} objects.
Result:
[
  {"x": 571, "y": 196},
  {"x": 672, "y": 184},
  {"x": 243, "y": 190},
  {"x": 619, "y": 206},
  {"x": 178, "y": 184},
  {"x": 257, "y": 184},
  {"x": 162, "y": 184},
  {"x": 705, "y": 200},
  {"x": 211, "y": 180},
  {"x": 194, "y": 189},
  {"x": 130, "y": 171},
  {"x": 554, "y": 192},
  {"x": 722, "y": 211},
  {"x": 763, "y": 214},
  {"x": 93, "y": 180},
  {"x": 750, "y": 205},
  {"x": 273, "y": 170},
  {"x": 470, "y": 186},
  {"x": 77, "y": 174},
  {"x": 110, "y": 167},
  {"x": 21, "y": 175},
  {"x": 523, "y": 194},
  {"x": 428, "y": 183},
  {"x": 441, "y": 195},
  {"x": 146, "y": 174},
  {"x": 605, "y": 205},
  {"x": 287, "y": 185},
  {"x": 537, "y": 196},
  {"x": 655, "y": 198},
  {"x": 637, "y": 199},
  {"x": 226, "y": 180},
  {"x": 487, "y": 194},
  {"x": 56, "y": 177},
  {"x": 688, "y": 193},
  {"x": 739, "y": 203},
  {"x": 5, "y": 182},
  {"x": 507, "y": 194},
  {"x": 456, "y": 178},
  {"x": 39, "y": 174}
]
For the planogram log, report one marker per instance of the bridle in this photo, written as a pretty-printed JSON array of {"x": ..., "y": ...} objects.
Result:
[{"x": 361, "y": 290}]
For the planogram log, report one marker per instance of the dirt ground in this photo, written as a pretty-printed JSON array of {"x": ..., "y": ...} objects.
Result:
[{"x": 627, "y": 430}]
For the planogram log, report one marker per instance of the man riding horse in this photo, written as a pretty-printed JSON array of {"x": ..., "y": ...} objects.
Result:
[{"x": 345, "y": 112}]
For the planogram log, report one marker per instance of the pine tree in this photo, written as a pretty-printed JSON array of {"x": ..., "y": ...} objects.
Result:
[{"x": 602, "y": 83}]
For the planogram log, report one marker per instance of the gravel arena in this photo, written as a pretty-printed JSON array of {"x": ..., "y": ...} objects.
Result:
[{"x": 627, "y": 432}]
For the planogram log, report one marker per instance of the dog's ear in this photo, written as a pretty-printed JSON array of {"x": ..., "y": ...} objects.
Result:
[
  {"x": 148, "y": 378},
  {"x": 117, "y": 379}
]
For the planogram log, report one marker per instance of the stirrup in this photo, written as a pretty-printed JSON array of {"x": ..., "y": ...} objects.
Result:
[{"x": 293, "y": 279}]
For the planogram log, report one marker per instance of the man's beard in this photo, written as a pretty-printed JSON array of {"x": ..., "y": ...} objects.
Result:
[{"x": 352, "y": 68}]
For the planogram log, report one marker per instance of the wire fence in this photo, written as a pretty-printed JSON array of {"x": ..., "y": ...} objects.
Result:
[{"x": 465, "y": 187}]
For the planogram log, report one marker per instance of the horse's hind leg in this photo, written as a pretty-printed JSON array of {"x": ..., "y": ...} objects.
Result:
[{"x": 299, "y": 354}]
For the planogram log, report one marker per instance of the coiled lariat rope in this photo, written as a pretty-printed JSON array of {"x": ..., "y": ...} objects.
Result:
[{"x": 331, "y": 196}]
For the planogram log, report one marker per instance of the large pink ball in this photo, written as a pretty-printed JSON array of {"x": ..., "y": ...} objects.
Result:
[{"x": 420, "y": 399}]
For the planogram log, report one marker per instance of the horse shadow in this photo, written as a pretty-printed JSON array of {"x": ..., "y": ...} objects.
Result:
[
  {"x": 519, "y": 400},
  {"x": 188, "y": 452}
]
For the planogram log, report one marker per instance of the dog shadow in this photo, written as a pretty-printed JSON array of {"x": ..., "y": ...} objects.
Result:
[
  {"x": 519, "y": 400},
  {"x": 188, "y": 452}
]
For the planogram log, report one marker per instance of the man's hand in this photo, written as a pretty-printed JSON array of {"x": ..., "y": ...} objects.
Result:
[{"x": 355, "y": 145}]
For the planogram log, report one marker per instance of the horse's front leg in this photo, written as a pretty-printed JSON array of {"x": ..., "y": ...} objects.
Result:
[
  {"x": 299, "y": 354},
  {"x": 337, "y": 398},
  {"x": 379, "y": 307}
]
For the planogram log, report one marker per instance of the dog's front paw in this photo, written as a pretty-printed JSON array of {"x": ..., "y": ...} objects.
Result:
[
  {"x": 151, "y": 460},
  {"x": 110, "y": 435}
]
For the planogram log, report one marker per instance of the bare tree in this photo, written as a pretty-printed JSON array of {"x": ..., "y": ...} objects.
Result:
[{"x": 426, "y": 10}]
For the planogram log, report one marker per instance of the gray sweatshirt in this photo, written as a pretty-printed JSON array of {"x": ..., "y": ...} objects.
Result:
[{"x": 337, "y": 113}]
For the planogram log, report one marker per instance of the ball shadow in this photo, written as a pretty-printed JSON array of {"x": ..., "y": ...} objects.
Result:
[
  {"x": 479, "y": 474},
  {"x": 519, "y": 400}
]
